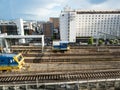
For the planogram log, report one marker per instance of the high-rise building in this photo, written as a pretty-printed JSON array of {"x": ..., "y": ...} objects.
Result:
[
  {"x": 55, "y": 22},
  {"x": 48, "y": 30},
  {"x": 89, "y": 23}
]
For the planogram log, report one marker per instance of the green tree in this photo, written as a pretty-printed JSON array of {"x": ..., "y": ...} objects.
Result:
[
  {"x": 111, "y": 41},
  {"x": 90, "y": 41},
  {"x": 100, "y": 42},
  {"x": 116, "y": 41}
]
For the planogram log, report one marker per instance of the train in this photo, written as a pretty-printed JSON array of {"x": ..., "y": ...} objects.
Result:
[
  {"x": 10, "y": 62},
  {"x": 60, "y": 46}
]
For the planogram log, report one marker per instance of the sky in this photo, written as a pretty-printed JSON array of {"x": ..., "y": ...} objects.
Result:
[{"x": 43, "y": 9}]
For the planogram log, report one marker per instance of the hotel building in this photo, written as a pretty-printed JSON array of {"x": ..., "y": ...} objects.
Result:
[{"x": 103, "y": 24}]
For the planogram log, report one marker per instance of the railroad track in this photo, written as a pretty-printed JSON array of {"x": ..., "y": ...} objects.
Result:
[
  {"x": 59, "y": 76},
  {"x": 72, "y": 57},
  {"x": 71, "y": 47},
  {"x": 95, "y": 47},
  {"x": 71, "y": 60},
  {"x": 71, "y": 54}
]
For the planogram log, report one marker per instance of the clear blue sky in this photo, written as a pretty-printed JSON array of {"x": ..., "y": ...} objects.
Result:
[{"x": 43, "y": 9}]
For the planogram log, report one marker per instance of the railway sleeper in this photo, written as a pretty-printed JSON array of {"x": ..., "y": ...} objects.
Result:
[
  {"x": 2, "y": 79},
  {"x": 39, "y": 77},
  {"x": 6, "y": 79},
  {"x": 14, "y": 78}
]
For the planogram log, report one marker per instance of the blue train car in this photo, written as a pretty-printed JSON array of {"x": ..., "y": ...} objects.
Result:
[
  {"x": 60, "y": 46},
  {"x": 10, "y": 62}
]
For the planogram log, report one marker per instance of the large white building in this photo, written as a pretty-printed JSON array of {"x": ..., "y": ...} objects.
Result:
[{"x": 86, "y": 23}]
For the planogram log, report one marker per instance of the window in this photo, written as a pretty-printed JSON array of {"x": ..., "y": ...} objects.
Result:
[{"x": 19, "y": 58}]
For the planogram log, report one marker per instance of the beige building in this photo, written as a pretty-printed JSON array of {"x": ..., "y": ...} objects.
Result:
[{"x": 55, "y": 22}]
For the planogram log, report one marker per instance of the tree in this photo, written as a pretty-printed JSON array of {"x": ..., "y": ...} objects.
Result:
[
  {"x": 100, "y": 42},
  {"x": 111, "y": 41},
  {"x": 116, "y": 41},
  {"x": 90, "y": 41}
]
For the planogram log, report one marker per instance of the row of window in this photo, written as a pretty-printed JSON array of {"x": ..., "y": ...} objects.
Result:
[
  {"x": 98, "y": 26},
  {"x": 91, "y": 34},
  {"x": 92, "y": 20},
  {"x": 98, "y": 21},
  {"x": 92, "y": 23},
  {"x": 96, "y": 29},
  {"x": 84, "y": 34},
  {"x": 98, "y": 15},
  {"x": 112, "y": 18}
]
